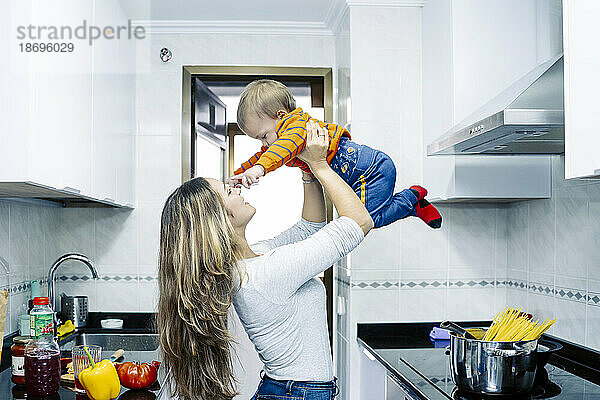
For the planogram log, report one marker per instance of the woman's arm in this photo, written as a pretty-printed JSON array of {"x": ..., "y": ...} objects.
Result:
[
  {"x": 313, "y": 209},
  {"x": 280, "y": 272},
  {"x": 345, "y": 200},
  {"x": 297, "y": 232}
]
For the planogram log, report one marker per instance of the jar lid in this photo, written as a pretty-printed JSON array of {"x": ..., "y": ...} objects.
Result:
[
  {"x": 40, "y": 301},
  {"x": 21, "y": 339}
]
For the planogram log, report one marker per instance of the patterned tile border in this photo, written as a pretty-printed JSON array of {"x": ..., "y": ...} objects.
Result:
[
  {"x": 108, "y": 278},
  {"x": 21, "y": 287},
  {"x": 425, "y": 284},
  {"x": 472, "y": 283},
  {"x": 375, "y": 285},
  {"x": 16, "y": 288},
  {"x": 541, "y": 288},
  {"x": 516, "y": 284},
  {"x": 576, "y": 295},
  {"x": 343, "y": 280},
  {"x": 593, "y": 298},
  {"x": 564, "y": 293}
]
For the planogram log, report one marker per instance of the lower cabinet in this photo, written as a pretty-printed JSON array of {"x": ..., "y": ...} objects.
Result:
[
  {"x": 395, "y": 390},
  {"x": 377, "y": 384},
  {"x": 372, "y": 377}
]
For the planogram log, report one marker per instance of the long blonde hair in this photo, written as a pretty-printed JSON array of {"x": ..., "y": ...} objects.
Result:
[{"x": 197, "y": 267}]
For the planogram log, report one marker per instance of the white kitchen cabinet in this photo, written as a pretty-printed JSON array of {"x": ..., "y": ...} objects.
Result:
[
  {"x": 68, "y": 118},
  {"x": 377, "y": 383},
  {"x": 372, "y": 377},
  {"x": 581, "y": 30},
  {"x": 395, "y": 390},
  {"x": 473, "y": 50}
]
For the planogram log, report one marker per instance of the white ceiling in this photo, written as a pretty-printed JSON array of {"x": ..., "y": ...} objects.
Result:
[{"x": 305, "y": 11}]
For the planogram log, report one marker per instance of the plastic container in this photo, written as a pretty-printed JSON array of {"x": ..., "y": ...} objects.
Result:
[
  {"x": 18, "y": 359},
  {"x": 111, "y": 323},
  {"x": 42, "y": 354},
  {"x": 24, "y": 325}
]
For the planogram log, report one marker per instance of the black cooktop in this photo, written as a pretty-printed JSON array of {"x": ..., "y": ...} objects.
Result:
[{"x": 406, "y": 350}]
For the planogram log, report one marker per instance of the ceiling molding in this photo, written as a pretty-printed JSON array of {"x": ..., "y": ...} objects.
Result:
[
  {"x": 236, "y": 27},
  {"x": 386, "y": 3},
  {"x": 329, "y": 26}
]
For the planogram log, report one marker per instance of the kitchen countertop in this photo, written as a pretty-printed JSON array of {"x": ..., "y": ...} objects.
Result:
[
  {"x": 140, "y": 323},
  {"x": 9, "y": 390},
  {"x": 408, "y": 354}
]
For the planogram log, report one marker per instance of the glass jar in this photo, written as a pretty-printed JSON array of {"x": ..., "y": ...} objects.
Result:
[
  {"x": 42, "y": 354},
  {"x": 18, "y": 359}
]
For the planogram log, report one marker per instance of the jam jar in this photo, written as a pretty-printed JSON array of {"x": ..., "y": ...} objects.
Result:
[{"x": 18, "y": 359}]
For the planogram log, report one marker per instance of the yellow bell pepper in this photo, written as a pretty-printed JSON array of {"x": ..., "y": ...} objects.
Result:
[{"x": 100, "y": 381}]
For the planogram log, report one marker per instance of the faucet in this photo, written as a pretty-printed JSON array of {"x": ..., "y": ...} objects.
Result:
[{"x": 66, "y": 257}]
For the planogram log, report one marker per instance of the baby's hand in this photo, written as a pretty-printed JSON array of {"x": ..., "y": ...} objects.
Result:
[
  {"x": 234, "y": 180},
  {"x": 249, "y": 177}
]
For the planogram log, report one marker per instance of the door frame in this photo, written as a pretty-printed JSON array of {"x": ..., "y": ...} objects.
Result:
[
  {"x": 186, "y": 97},
  {"x": 187, "y": 129}
]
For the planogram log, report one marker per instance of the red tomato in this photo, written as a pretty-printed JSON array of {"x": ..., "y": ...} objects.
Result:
[{"x": 137, "y": 376}]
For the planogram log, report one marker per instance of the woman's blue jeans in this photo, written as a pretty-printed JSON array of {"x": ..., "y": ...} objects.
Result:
[{"x": 271, "y": 389}]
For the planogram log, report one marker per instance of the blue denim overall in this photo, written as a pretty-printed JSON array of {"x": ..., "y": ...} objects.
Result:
[
  {"x": 372, "y": 175},
  {"x": 271, "y": 389}
]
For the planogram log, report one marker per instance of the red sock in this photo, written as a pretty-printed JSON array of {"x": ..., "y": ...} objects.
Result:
[
  {"x": 419, "y": 191},
  {"x": 428, "y": 213}
]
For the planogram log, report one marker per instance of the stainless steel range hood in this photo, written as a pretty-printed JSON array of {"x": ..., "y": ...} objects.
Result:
[{"x": 526, "y": 118}]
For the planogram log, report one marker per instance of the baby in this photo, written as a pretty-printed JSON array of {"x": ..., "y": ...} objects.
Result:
[{"x": 267, "y": 111}]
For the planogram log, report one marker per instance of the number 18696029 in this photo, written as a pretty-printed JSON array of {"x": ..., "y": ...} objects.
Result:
[{"x": 46, "y": 47}]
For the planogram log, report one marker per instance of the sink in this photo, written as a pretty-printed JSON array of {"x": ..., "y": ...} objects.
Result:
[{"x": 113, "y": 342}]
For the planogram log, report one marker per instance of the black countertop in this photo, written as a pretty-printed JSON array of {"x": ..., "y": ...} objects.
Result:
[{"x": 420, "y": 363}]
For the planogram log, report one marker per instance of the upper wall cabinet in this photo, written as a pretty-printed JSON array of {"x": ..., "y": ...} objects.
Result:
[
  {"x": 472, "y": 51},
  {"x": 68, "y": 117},
  {"x": 581, "y": 27}
]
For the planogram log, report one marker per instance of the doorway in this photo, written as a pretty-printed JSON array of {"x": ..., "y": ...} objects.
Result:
[{"x": 218, "y": 79}]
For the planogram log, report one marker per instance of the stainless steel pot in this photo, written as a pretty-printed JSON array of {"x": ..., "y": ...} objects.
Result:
[{"x": 492, "y": 367}]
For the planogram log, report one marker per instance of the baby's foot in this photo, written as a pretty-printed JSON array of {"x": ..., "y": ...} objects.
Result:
[
  {"x": 419, "y": 191},
  {"x": 425, "y": 210}
]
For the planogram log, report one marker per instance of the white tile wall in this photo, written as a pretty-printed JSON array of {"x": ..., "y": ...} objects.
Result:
[
  {"x": 407, "y": 271},
  {"x": 25, "y": 241},
  {"x": 554, "y": 244}
]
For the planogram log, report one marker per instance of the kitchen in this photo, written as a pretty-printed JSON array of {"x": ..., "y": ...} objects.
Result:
[{"x": 519, "y": 230}]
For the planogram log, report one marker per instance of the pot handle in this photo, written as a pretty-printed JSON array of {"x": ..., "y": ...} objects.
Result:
[{"x": 451, "y": 326}]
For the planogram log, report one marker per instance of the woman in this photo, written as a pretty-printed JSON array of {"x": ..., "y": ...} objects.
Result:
[{"x": 206, "y": 264}]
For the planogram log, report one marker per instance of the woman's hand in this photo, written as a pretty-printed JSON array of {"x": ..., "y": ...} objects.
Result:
[
  {"x": 317, "y": 144},
  {"x": 346, "y": 202}
]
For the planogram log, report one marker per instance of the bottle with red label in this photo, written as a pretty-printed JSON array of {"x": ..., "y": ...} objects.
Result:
[{"x": 42, "y": 354}]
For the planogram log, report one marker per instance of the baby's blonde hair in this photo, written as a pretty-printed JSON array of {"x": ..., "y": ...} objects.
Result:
[{"x": 264, "y": 97}]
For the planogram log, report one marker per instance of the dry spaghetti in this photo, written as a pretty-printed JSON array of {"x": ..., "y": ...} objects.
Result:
[{"x": 512, "y": 325}]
